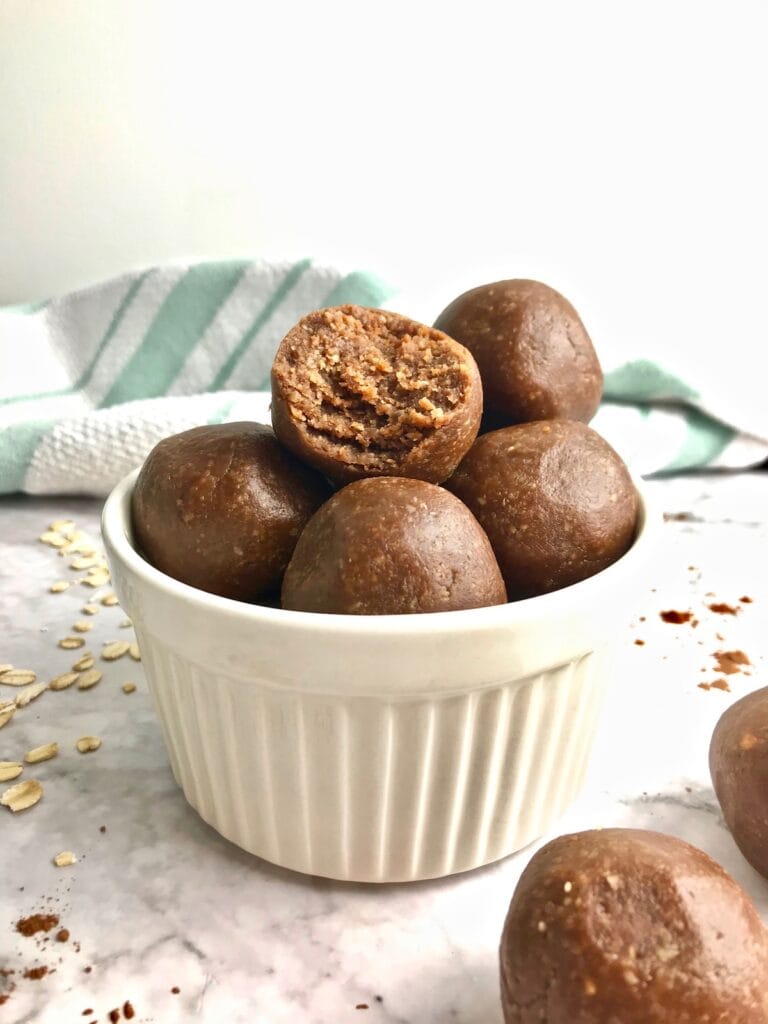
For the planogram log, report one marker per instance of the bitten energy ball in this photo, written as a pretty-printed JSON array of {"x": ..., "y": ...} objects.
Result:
[
  {"x": 630, "y": 927},
  {"x": 392, "y": 546},
  {"x": 738, "y": 761},
  {"x": 535, "y": 357},
  {"x": 555, "y": 499},
  {"x": 359, "y": 392},
  {"x": 221, "y": 508}
]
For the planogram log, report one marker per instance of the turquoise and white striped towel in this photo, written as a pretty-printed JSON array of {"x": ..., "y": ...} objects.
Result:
[{"x": 91, "y": 381}]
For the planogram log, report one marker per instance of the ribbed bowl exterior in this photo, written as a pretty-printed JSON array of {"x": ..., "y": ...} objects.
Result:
[
  {"x": 375, "y": 749},
  {"x": 375, "y": 790}
]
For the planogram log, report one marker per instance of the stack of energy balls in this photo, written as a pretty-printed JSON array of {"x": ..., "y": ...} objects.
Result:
[{"x": 375, "y": 495}]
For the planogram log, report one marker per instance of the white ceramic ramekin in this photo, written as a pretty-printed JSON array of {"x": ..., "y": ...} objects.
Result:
[{"x": 375, "y": 748}]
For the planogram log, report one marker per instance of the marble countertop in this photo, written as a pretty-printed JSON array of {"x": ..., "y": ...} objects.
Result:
[{"x": 158, "y": 902}]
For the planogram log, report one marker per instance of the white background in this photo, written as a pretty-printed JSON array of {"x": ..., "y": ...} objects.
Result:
[{"x": 615, "y": 150}]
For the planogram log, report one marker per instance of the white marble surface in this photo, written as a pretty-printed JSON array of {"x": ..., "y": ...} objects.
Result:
[{"x": 159, "y": 900}]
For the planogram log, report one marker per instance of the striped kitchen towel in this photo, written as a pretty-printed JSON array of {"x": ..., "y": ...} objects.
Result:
[{"x": 91, "y": 381}]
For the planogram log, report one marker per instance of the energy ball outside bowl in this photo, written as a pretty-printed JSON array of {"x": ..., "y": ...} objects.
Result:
[
  {"x": 557, "y": 502},
  {"x": 623, "y": 926},
  {"x": 390, "y": 546},
  {"x": 738, "y": 761},
  {"x": 361, "y": 392},
  {"x": 221, "y": 508},
  {"x": 536, "y": 359}
]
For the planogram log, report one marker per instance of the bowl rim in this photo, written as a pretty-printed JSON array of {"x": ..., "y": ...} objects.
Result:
[{"x": 116, "y": 528}]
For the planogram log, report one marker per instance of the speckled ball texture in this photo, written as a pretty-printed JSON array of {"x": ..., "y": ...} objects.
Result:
[
  {"x": 623, "y": 926},
  {"x": 557, "y": 502},
  {"x": 221, "y": 508},
  {"x": 362, "y": 392},
  {"x": 392, "y": 546},
  {"x": 738, "y": 761},
  {"x": 536, "y": 359}
]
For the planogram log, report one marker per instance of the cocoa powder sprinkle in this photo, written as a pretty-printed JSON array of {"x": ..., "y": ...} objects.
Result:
[
  {"x": 721, "y": 608},
  {"x": 62, "y": 935},
  {"x": 35, "y": 973},
  {"x": 675, "y": 617},
  {"x": 730, "y": 662},
  {"x": 36, "y": 923},
  {"x": 716, "y": 684}
]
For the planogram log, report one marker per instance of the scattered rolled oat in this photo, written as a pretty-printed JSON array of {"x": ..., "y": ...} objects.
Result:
[
  {"x": 18, "y": 677},
  {"x": 30, "y": 693},
  {"x": 59, "y": 586},
  {"x": 74, "y": 536},
  {"x": 96, "y": 579},
  {"x": 60, "y": 525},
  {"x": 82, "y": 626},
  {"x": 55, "y": 540},
  {"x": 115, "y": 649},
  {"x": 71, "y": 643},
  {"x": 22, "y": 795},
  {"x": 88, "y": 743},
  {"x": 5, "y": 668},
  {"x": 87, "y": 661},
  {"x": 63, "y": 682},
  {"x": 134, "y": 652},
  {"x": 129, "y": 687},
  {"x": 109, "y": 600},
  {"x": 90, "y": 609},
  {"x": 43, "y": 753},
  {"x": 126, "y": 624},
  {"x": 7, "y": 711},
  {"x": 64, "y": 859},
  {"x": 89, "y": 679},
  {"x": 10, "y": 770},
  {"x": 86, "y": 562}
]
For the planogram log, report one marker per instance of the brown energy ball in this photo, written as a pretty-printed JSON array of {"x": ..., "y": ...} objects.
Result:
[
  {"x": 392, "y": 546},
  {"x": 535, "y": 357},
  {"x": 555, "y": 499},
  {"x": 622, "y": 926},
  {"x": 359, "y": 392},
  {"x": 221, "y": 508},
  {"x": 738, "y": 761}
]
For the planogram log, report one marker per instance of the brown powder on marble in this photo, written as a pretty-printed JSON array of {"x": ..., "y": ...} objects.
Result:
[
  {"x": 675, "y": 617},
  {"x": 36, "y": 923},
  {"x": 730, "y": 662},
  {"x": 35, "y": 973},
  {"x": 716, "y": 684},
  {"x": 721, "y": 608}
]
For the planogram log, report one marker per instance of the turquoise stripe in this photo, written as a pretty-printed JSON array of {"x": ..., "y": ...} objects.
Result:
[
  {"x": 645, "y": 381},
  {"x": 705, "y": 439},
  {"x": 26, "y": 308},
  {"x": 223, "y": 410},
  {"x": 288, "y": 283},
  {"x": 176, "y": 329},
  {"x": 85, "y": 377},
  {"x": 17, "y": 446},
  {"x": 359, "y": 289}
]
